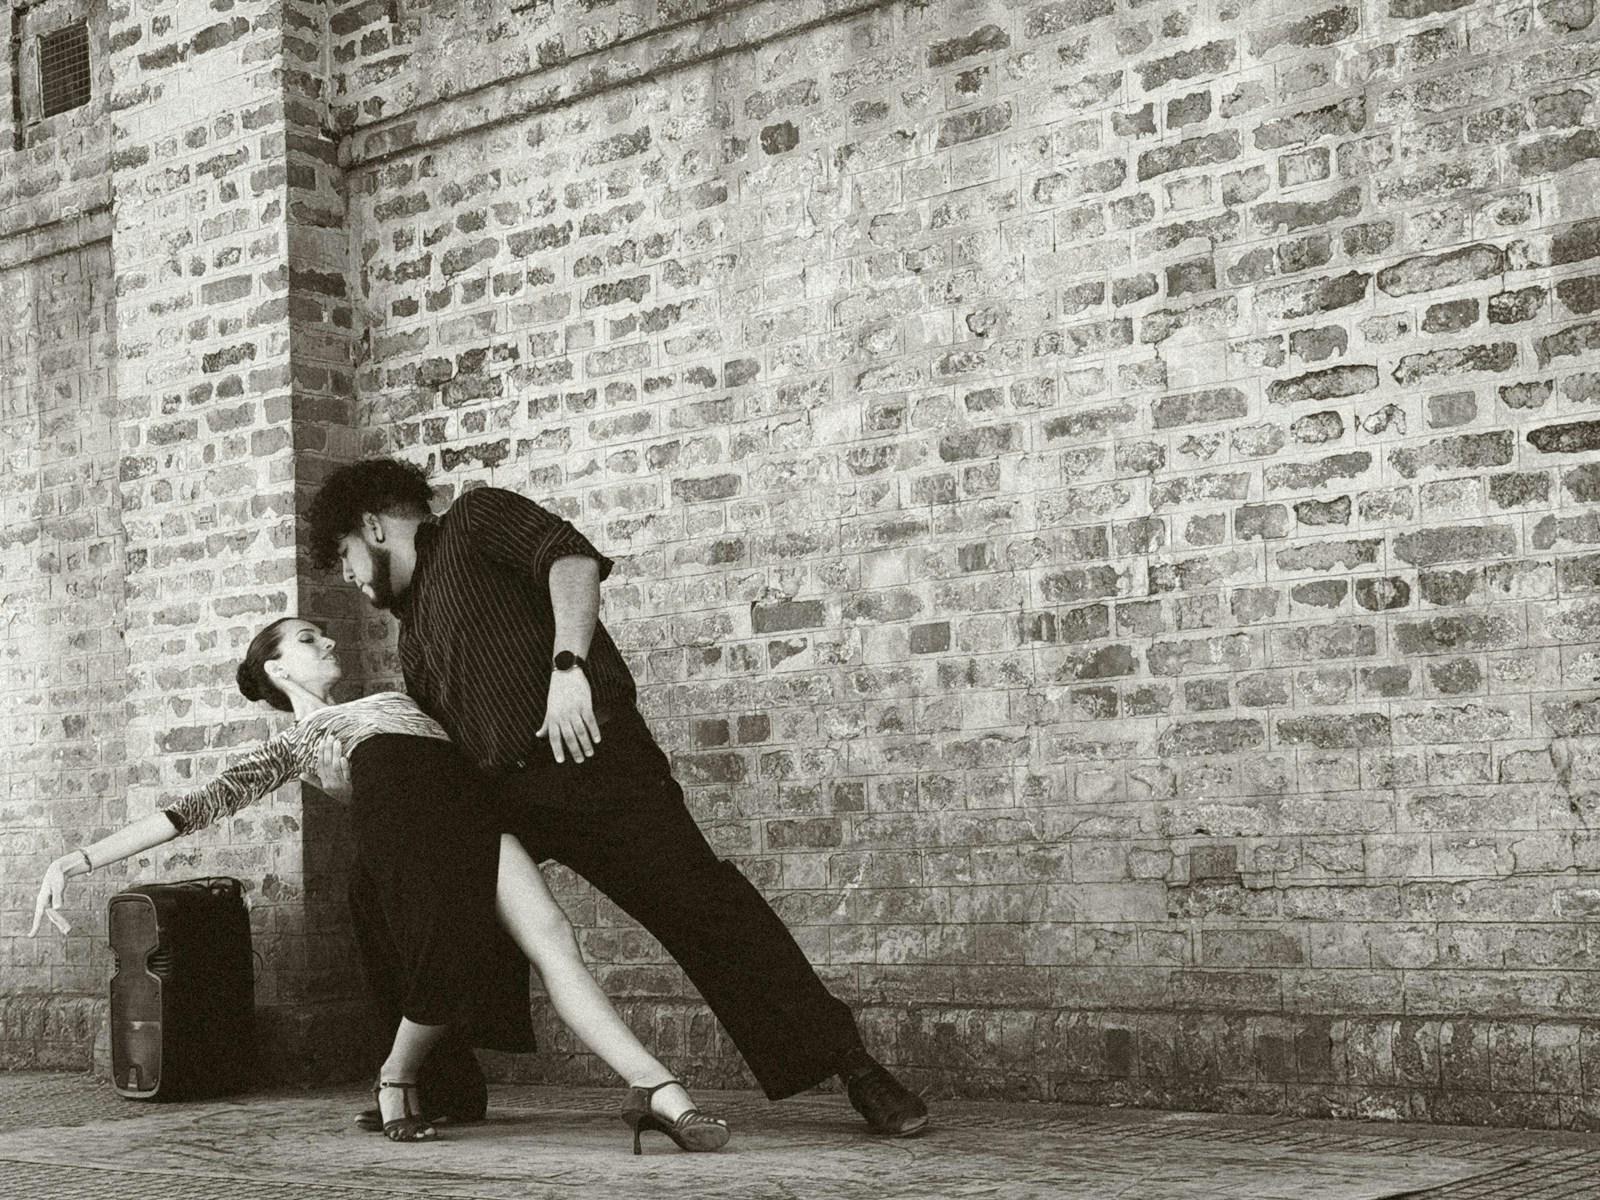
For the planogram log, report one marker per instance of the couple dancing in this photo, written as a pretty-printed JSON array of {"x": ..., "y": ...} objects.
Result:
[{"x": 518, "y": 740}]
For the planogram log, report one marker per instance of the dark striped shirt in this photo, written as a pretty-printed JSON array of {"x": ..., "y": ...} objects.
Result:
[{"x": 477, "y": 631}]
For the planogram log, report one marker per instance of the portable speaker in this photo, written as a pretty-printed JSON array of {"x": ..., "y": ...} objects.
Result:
[{"x": 183, "y": 990}]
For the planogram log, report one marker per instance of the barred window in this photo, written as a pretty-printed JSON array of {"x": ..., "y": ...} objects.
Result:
[{"x": 64, "y": 69}]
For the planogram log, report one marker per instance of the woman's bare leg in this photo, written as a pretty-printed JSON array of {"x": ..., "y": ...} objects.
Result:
[
  {"x": 538, "y": 925},
  {"x": 411, "y": 1045}
]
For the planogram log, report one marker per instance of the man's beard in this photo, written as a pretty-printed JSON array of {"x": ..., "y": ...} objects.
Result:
[{"x": 382, "y": 581}]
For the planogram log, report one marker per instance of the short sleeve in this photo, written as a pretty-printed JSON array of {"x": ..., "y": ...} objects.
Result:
[{"x": 515, "y": 532}]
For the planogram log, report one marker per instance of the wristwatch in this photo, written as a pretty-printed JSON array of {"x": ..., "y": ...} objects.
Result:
[{"x": 565, "y": 660}]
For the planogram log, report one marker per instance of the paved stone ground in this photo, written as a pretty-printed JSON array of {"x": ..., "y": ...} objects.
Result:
[{"x": 69, "y": 1136}]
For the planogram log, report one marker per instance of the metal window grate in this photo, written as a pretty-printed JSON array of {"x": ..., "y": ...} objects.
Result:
[{"x": 64, "y": 69}]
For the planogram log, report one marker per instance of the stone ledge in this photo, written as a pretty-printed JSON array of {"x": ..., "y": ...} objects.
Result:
[{"x": 651, "y": 54}]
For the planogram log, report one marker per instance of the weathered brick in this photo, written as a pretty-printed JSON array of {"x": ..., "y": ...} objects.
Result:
[
  {"x": 1409, "y": 10},
  {"x": 1260, "y": 521},
  {"x": 1326, "y": 384},
  {"x": 1047, "y": 19},
  {"x": 1323, "y": 512},
  {"x": 1450, "y": 316},
  {"x": 1469, "y": 543},
  {"x": 1548, "y": 155},
  {"x": 1194, "y": 152},
  {"x": 1301, "y": 214},
  {"x": 1321, "y": 29},
  {"x": 1574, "y": 437},
  {"x": 1434, "y": 364},
  {"x": 1426, "y": 273},
  {"x": 1444, "y": 634},
  {"x": 1326, "y": 555},
  {"x": 966, "y": 126},
  {"x": 1220, "y": 404},
  {"x": 983, "y": 40},
  {"x": 1576, "y": 243},
  {"x": 1344, "y": 731},
  {"x": 786, "y": 615},
  {"x": 1317, "y": 474},
  {"x": 1345, "y": 117},
  {"x": 1212, "y": 59},
  {"x": 1212, "y": 737},
  {"x": 1383, "y": 594},
  {"x": 1466, "y": 450},
  {"x": 1306, "y": 297}
]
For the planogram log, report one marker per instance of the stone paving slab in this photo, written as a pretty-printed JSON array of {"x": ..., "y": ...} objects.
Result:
[{"x": 70, "y": 1136}]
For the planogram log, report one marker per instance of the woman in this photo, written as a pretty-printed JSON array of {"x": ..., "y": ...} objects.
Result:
[{"x": 424, "y": 834}]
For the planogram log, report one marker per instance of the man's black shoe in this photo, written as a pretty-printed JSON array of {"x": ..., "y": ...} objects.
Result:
[{"x": 885, "y": 1102}]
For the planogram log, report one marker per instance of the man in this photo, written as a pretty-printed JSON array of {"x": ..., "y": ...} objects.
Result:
[{"x": 501, "y": 642}]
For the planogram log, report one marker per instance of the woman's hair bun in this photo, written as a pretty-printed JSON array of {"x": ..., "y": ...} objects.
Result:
[{"x": 249, "y": 683}]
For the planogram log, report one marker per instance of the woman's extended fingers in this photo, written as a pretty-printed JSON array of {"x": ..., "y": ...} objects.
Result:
[{"x": 51, "y": 890}]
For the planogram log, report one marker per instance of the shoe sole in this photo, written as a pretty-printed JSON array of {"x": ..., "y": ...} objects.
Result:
[
  {"x": 908, "y": 1131},
  {"x": 443, "y": 1121}
]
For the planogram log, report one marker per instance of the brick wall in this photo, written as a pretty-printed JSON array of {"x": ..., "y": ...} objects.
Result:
[
  {"x": 150, "y": 494},
  {"x": 63, "y": 664},
  {"x": 1100, "y": 488},
  {"x": 1100, "y": 491}
]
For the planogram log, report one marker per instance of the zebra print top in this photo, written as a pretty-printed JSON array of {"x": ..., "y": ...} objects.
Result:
[{"x": 294, "y": 752}]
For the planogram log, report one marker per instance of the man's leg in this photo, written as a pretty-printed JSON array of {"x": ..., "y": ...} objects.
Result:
[
  {"x": 631, "y": 836},
  {"x": 658, "y": 869}
]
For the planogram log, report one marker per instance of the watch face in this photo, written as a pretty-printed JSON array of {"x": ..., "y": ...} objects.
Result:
[{"x": 565, "y": 659}]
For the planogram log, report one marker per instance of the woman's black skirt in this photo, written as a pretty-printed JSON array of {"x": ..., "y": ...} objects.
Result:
[{"x": 422, "y": 895}]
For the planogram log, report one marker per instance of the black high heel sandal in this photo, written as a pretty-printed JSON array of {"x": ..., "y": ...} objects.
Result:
[
  {"x": 410, "y": 1127},
  {"x": 693, "y": 1130}
]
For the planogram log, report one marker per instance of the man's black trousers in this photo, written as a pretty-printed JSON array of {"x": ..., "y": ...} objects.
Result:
[{"x": 619, "y": 820}]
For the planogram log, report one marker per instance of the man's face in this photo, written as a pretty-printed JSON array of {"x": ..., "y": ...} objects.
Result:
[{"x": 366, "y": 564}]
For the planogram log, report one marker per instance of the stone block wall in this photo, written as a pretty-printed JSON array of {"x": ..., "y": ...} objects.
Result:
[
  {"x": 63, "y": 663},
  {"x": 1101, "y": 496},
  {"x": 174, "y": 218},
  {"x": 1101, "y": 491}
]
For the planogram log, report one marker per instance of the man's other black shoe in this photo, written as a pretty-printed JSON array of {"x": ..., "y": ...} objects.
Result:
[{"x": 889, "y": 1107}]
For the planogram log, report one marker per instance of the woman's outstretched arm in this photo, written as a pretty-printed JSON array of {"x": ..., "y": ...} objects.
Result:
[
  {"x": 144, "y": 834},
  {"x": 265, "y": 768}
]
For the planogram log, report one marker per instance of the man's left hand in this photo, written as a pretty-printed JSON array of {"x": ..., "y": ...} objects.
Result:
[
  {"x": 333, "y": 770},
  {"x": 569, "y": 719}
]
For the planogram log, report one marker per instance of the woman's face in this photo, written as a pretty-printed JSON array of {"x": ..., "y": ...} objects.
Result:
[{"x": 305, "y": 657}]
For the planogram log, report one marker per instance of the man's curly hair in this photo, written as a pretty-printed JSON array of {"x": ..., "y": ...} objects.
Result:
[{"x": 374, "y": 485}]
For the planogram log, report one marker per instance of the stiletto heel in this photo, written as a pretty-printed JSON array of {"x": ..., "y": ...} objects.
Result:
[
  {"x": 410, "y": 1126},
  {"x": 693, "y": 1130}
]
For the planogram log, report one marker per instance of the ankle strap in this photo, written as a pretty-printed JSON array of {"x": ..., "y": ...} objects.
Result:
[
  {"x": 395, "y": 1083},
  {"x": 651, "y": 1091}
]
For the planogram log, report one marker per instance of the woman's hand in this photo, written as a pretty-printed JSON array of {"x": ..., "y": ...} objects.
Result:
[{"x": 51, "y": 893}]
